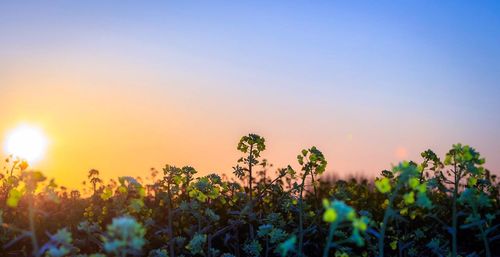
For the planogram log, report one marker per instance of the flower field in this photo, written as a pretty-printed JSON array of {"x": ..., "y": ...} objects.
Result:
[{"x": 436, "y": 206}]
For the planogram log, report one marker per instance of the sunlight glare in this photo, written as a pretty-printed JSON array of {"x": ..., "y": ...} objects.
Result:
[{"x": 26, "y": 142}]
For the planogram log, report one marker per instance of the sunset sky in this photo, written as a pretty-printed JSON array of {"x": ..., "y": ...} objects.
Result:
[{"x": 123, "y": 86}]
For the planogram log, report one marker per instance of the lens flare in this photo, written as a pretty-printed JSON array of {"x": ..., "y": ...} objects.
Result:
[{"x": 26, "y": 142}]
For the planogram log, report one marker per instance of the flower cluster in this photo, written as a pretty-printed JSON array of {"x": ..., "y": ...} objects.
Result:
[
  {"x": 124, "y": 235},
  {"x": 337, "y": 212}
]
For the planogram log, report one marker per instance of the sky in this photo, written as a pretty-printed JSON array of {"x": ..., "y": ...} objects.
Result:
[{"x": 123, "y": 86}]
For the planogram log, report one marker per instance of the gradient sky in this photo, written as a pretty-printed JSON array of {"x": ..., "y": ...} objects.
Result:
[{"x": 122, "y": 86}]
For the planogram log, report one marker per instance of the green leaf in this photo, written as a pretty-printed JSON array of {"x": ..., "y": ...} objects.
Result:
[{"x": 14, "y": 197}]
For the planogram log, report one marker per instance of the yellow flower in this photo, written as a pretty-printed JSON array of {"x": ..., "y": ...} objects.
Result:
[
  {"x": 422, "y": 188},
  {"x": 394, "y": 245},
  {"x": 326, "y": 203},
  {"x": 14, "y": 197},
  {"x": 330, "y": 215},
  {"x": 23, "y": 165},
  {"x": 383, "y": 185},
  {"x": 413, "y": 182},
  {"x": 385, "y": 204},
  {"x": 351, "y": 215},
  {"x": 122, "y": 189},
  {"x": 409, "y": 198},
  {"x": 359, "y": 224},
  {"x": 472, "y": 181}
]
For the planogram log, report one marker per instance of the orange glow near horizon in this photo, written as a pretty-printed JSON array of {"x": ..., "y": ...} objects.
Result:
[
  {"x": 125, "y": 88},
  {"x": 126, "y": 131}
]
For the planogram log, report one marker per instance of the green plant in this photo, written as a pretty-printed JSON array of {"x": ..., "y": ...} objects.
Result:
[
  {"x": 124, "y": 236},
  {"x": 405, "y": 177},
  {"x": 253, "y": 145},
  {"x": 463, "y": 162},
  {"x": 476, "y": 200},
  {"x": 337, "y": 212},
  {"x": 94, "y": 179},
  {"x": 405, "y": 212},
  {"x": 313, "y": 163}
]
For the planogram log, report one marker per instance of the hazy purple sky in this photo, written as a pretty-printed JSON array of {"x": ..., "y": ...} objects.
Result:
[{"x": 125, "y": 85}]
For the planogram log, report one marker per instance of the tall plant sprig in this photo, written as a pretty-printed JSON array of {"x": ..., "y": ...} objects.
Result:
[
  {"x": 94, "y": 179},
  {"x": 176, "y": 184},
  {"x": 431, "y": 162},
  {"x": 406, "y": 176},
  {"x": 463, "y": 162},
  {"x": 172, "y": 178},
  {"x": 252, "y": 145},
  {"x": 313, "y": 163},
  {"x": 188, "y": 173},
  {"x": 32, "y": 179},
  {"x": 11, "y": 180},
  {"x": 209, "y": 192}
]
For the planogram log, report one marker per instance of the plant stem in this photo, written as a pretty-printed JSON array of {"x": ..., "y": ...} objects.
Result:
[
  {"x": 454, "y": 211},
  {"x": 209, "y": 245},
  {"x": 250, "y": 182},
  {"x": 484, "y": 237},
  {"x": 267, "y": 247},
  {"x": 485, "y": 241},
  {"x": 331, "y": 232},
  {"x": 170, "y": 217},
  {"x": 250, "y": 160},
  {"x": 301, "y": 215},
  {"x": 317, "y": 201},
  {"x": 31, "y": 213},
  {"x": 387, "y": 215}
]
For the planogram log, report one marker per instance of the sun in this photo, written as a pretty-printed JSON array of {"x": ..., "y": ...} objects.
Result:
[{"x": 26, "y": 142}]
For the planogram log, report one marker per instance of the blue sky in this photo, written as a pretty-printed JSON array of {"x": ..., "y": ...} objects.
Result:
[{"x": 386, "y": 75}]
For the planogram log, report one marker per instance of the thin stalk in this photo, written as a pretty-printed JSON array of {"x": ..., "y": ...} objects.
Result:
[
  {"x": 329, "y": 239},
  {"x": 238, "y": 244},
  {"x": 31, "y": 214},
  {"x": 170, "y": 232},
  {"x": 485, "y": 241},
  {"x": 301, "y": 215},
  {"x": 12, "y": 170},
  {"x": 170, "y": 226},
  {"x": 267, "y": 246},
  {"x": 209, "y": 245},
  {"x": 387, "y": 216},
  {"x": 484, "y": 237},
  {"x": 250, "y": 182},
  {"x": 316, "y": 202},
  {"x": 250, "y": 160},
  {"x": 454, "y": 221}
]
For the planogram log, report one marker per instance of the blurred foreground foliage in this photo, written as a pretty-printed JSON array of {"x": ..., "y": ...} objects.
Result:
[{"x": 432, "y": 207}]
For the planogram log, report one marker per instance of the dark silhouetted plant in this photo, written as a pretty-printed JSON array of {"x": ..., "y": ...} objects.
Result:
[{"x": 313, "y": 163}]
